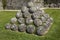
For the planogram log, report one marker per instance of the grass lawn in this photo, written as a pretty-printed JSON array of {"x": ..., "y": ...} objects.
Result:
[{"x": 53, "y": 33}]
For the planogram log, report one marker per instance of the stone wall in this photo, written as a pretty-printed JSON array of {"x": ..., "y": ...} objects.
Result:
[
  {"x": 1, "y": 5},
  {"x": 17, "y": 4}
]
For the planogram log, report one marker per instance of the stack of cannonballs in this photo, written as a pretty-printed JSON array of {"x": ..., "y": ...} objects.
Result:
[{"x": 31, "y": 19}]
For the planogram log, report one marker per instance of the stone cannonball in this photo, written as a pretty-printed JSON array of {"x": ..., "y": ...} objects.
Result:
[
  {"x": 26, "y": 14},
  {"x": 40, "y": 30},
  {"x": 30, "y": 4},
  {"x": 30, "y": 29},
  {"x": 35, "y": 15},
  {"x": 50, "y": 20},
  {"x": 43, "y": 19},
  {"x": 46, "y": 16},
  {"x": 24, "y": 9},
  {"x": 19, "y": 14},
  {"x": 37, "y": 22},
  {"x": 21, "y": 20},
  {"x": 29, "y": 20},
  {"x": 14, "y": 27},
  {"x": 32, "y": 9},
  {"x": 46, "y": 26},
  {"x": 22, "y": 28},
  {"x": 7, "y": 26},
  {"x": 13, "y": 20}
]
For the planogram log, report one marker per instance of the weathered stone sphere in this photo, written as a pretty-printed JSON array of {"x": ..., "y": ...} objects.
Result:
[
  {"x": 32, "y": 9},
  {"x": 40, "y": 30},
  {"x": 14, "y": 27},
  {"x": 13, "y": 20},
  {"x": 24, "y": 9},
  {"x": 29, "y": 20},
  {"x": 26, "y": 14},
  {"x": 30, "y": 4},
  {"x": 19, "y": 14},
  {"x": 37, "y": 22},
  {"x": 43, "y": 19},
  {"x": 46, "y": 25},
  {"x": 46, "y": 16},
  {"x": 22, "y": 28},
  {"x": 21, "y": 20},
  {"x": 50, "y": 20},
  {"x": 30, "y": 29},
  {"x": 36, "y": 15},
  {"x": 7, "y": 26}
]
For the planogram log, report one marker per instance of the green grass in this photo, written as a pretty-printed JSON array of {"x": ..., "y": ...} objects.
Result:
[{"x": 53, "y": 33}]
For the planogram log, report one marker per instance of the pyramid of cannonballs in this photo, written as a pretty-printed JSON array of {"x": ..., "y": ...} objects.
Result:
[{"x": 30, "y": 19}]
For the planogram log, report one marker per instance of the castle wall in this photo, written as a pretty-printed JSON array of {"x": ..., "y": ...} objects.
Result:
[
  {"x": 15, "y": 4},
  {"x": 1, "y": 5}
]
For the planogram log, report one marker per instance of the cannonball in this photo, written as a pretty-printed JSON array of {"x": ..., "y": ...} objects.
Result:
[
  {"x": 24, "y": 9},
  {"x": 35, "y": 15},
  {"x": 40, "y": 30},
  {"x": 43, "y": 19},
  {"x": 32, "y": 9},
  {"x": 13, "y": 20},
  {"x": 30, "y": 29},
  {"x": 26, "y": 14},
  {"x": 46, "y": 16},
  {"x": 46, "y": 25},
  {"x": 30, "y": 4},
  {"x": 7, "y": 26},
  {"x": 29, "y": 20},
  {"x": 37, "y": 22},
  {"x": 22, "y": 28},
  {"x": 14, "y": 27},
  {"x": 50, "y": 20},
  {"x": 19, "y": 14},
  {"x": 21, "y": 20}
]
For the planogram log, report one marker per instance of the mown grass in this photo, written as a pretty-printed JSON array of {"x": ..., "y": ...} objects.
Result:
[{"x": 53, "y": 33}]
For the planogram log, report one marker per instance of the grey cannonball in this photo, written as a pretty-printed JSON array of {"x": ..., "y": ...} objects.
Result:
[
  {"x": 26, "y": 14},
  {"x": 40, "y": 30},
  {"x": 46, "y": 16},
  {"x": 32, "y": 9},
  {"x": 43, "y": 19},
  {"x": 22, "y": 28},
  {"x": 14, "y": 27},
  {"x": 24, "y": 9},
  {"x": 19, "y": 14},
  {"x": 21, "y": 20},
  {"x": 7, "y": 26},
  {"x": 36, "y": 15},
  {"x": 50, "y": 20},
  {"x": 46, "y": 25},
  {"x": 29, "y": 20},
  {"x": 13, "y": 20},
  {"x": 30, "y": 4},
  {"x": 30, "y": 29},
  {"x": 37, "y": 22}
]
